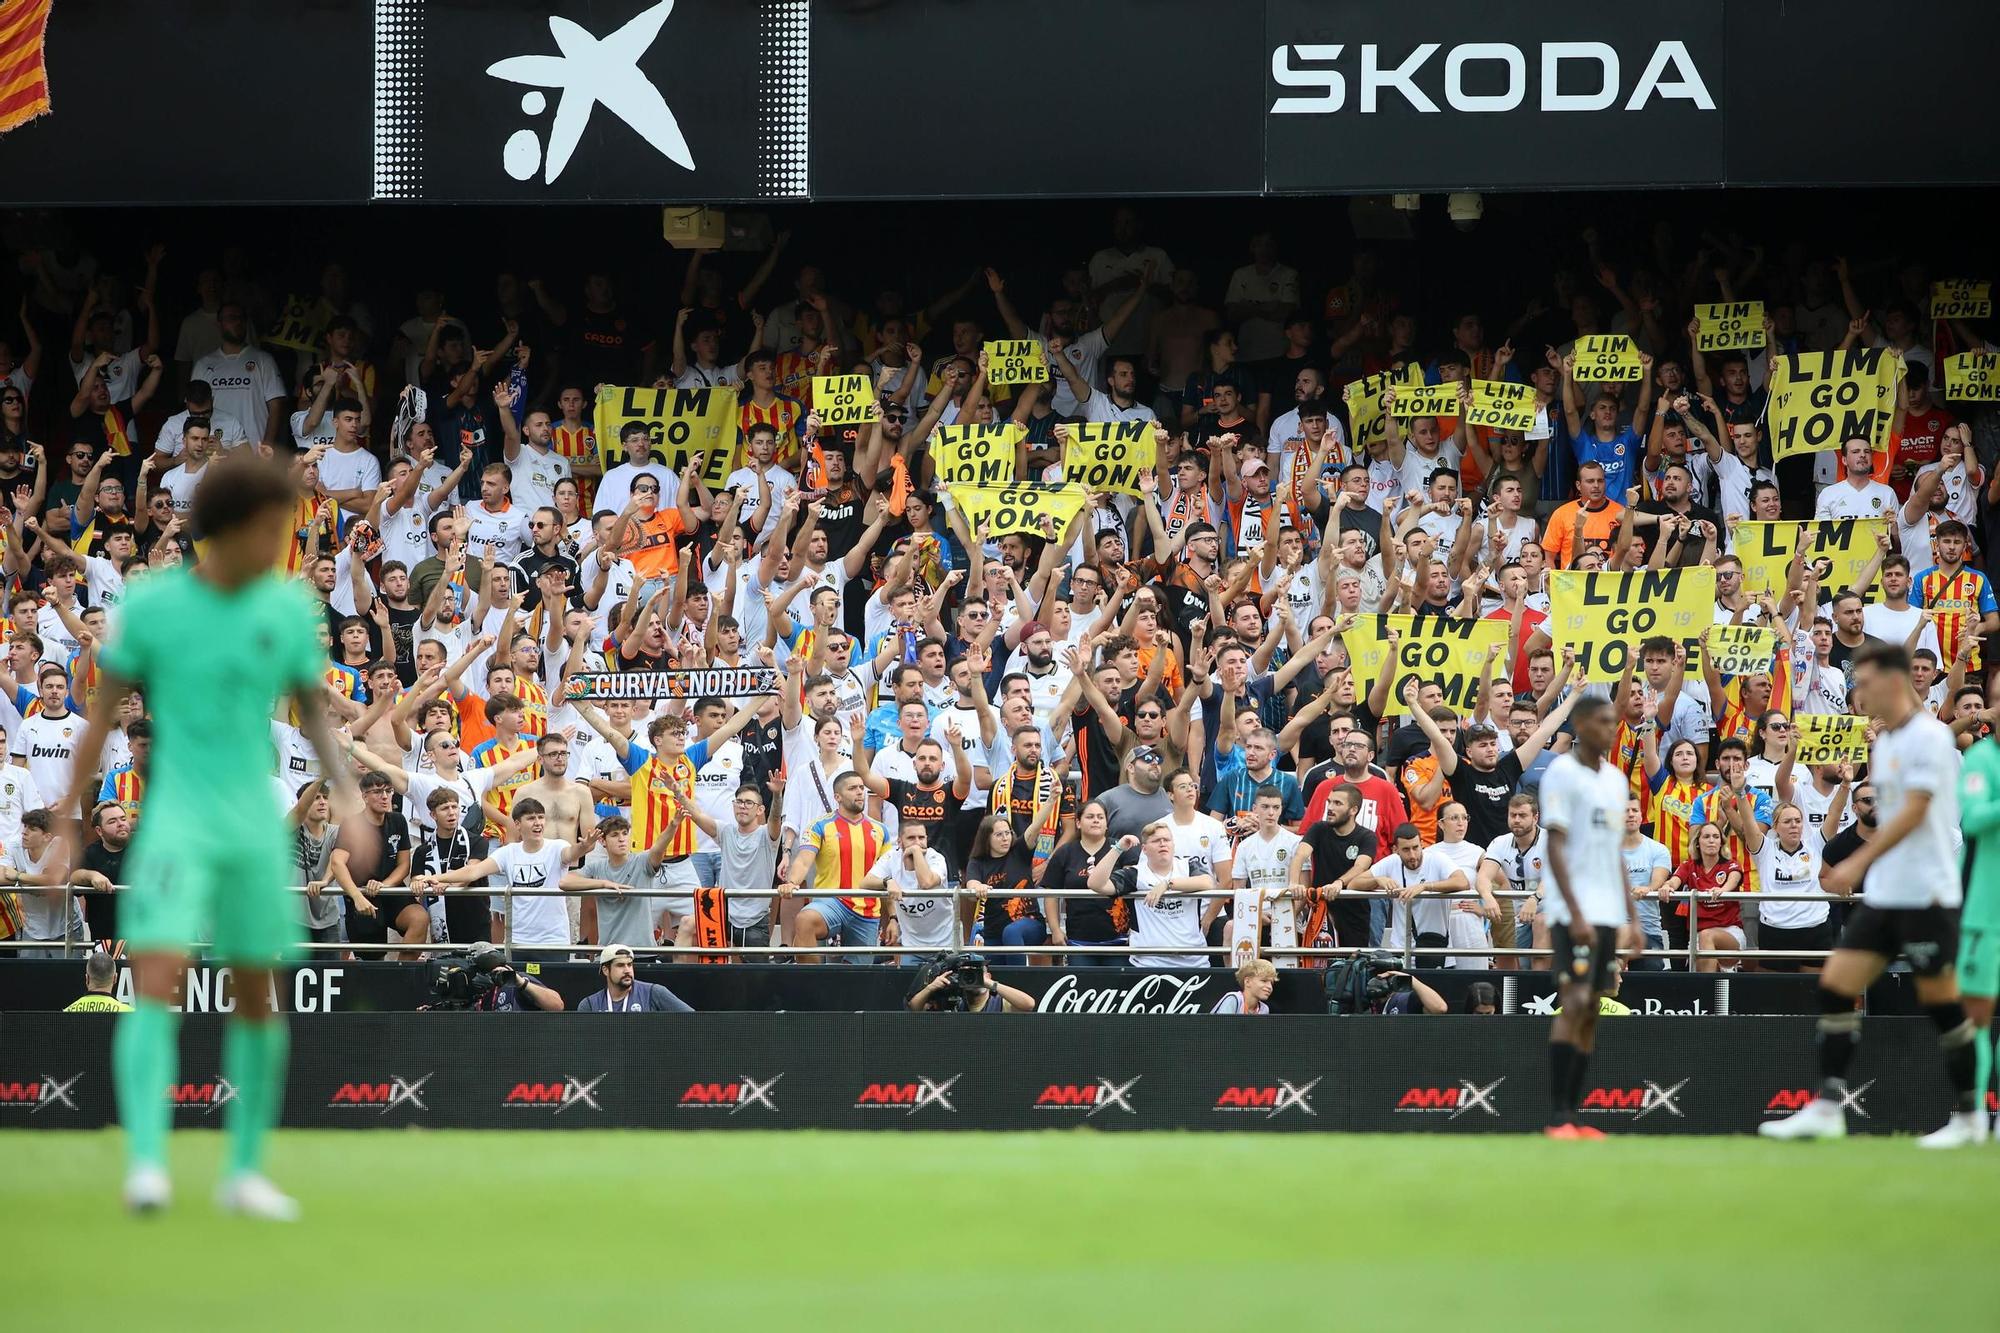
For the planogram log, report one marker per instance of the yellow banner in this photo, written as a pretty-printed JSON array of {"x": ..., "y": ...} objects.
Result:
[
  {"x": 1604, "y": 614},
  {"x": 1972, "y": 377},
  {"x": 1740, "y": 650},
  {"x": 678, "y": 421},
  {"x": 1606, "y": 358},
  {"x": 1018, "y": 507},
  {"x": 300, "y": 327},
  {"x": 1961, "y": 298},
  {"x": 1432, "y": 648},
  {"x": 1839, "y": 548},
  {"x": 1729, "y": 326},
  {"x": 1426, "y": 400},
  {"x": 975, "y": 455},
  {"x": 1364, "y": 404},
  {"x": 1109, "y": 455},
  {"x": 1820, "y": 399},
  {"x": 1829, "y": 738},
  {"x": 1015, "y": 361},
  {"x": 843, "y": 400},
  {"x": 1501, "y": 405}
]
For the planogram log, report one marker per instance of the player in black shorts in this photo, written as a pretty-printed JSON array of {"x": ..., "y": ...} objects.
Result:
[{"x": 1908, "y": 874}]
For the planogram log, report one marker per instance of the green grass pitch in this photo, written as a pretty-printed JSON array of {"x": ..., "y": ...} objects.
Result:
[{"x": 1058, "y": 1230}]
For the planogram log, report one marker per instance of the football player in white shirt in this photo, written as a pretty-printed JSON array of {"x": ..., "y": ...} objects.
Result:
[
  {"x": 1911, "y": 893},
  {"x": 1591, "y": 917}
]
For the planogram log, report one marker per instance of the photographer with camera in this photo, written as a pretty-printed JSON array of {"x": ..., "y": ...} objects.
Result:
[
  {"x": 623, "y": 993},
  {"x": 960, "y": 983},
  {"x": 1374, "y": 983},
  {"x": 482, "y": 978}
]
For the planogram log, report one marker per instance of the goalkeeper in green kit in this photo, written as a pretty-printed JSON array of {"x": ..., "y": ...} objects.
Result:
[
  {"x": 214, "y": 648},
  {"x": 1979, "y": 923}
]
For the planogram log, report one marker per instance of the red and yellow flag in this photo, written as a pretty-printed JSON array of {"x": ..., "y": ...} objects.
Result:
[{"x": 24, "y": 74}]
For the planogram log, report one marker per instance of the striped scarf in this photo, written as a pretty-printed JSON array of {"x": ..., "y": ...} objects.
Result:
[{"x": 1044, "y": 779}]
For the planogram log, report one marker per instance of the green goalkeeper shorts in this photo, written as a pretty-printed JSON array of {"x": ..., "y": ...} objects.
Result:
[{"x": 183, "y": 896}]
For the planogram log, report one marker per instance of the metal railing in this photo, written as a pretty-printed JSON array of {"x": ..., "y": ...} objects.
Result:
[{"x": 74, "y": 946}]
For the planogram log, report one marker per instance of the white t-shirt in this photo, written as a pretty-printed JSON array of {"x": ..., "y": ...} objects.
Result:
[
  {"x": 1202, "y": 844},
  {"x": 1880, "y": 621},
  {"x": 495, "y": 537},
  {"x": 1084, "y": 352},
  {"x": 536, "y": 472},
  {"x": 744, "y": 479},
  {"x": 321, "y": 433},
  {"x": 244, "y": 384},
  {"x": 715, "y": 784},
  {"x": 122, "y": 370},
  {"x": 180, "y": 483},
  {"x": 352, "y": 470},
  {"x": 226, "y": 429},
  {"x": 49, "y": 745},
  {"x": 614, "y": 489},
  {"x": 298, "y": 762},
  {"x": 1922, "y": 869},
  {"x": 1842, "y": 500},
  {"x": 925, "y": 918},
  {"x": 1523, "y": 867},
  {"x": 969, "y": 742},
  {"x": 536, "y": 920},
  {"x": 1589, "y": 808},
  {"x": 1961, "y": 492},
  {"x": 1175, "y": 923},
  {"x": 1789, "y": 872},
  {"x": 1427, "y": 912},
  {"x": 472, "y": 785},
  {"x": 1264, "y": 867},
  {"x": 19, "y": 793}
]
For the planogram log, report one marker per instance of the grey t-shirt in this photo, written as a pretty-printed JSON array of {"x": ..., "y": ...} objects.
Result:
[
  {"x": 45, "y": 916},
  {"x": 312, "y": 857},
  {"x": 749, "y": 861},
  {"x": 625, "y": 918},
  {"x": 1130, "y": 812}
]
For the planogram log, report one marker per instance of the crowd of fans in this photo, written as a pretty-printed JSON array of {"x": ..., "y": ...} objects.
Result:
[{"x": 1139, "y": 707}]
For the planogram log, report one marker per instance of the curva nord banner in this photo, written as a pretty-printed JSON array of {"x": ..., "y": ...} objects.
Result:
[
  {"x": 923, "y": 1071},
  {"x": 713, "y": 101}
]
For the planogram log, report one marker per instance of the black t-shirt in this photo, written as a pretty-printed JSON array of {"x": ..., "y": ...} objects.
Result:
[
  {"x": 1485, "y": 796},
  {"x": 1841, "y": 846},
  {"x": 606, "y": 348},
  {"x": 1405, "y": 743},
  {"x": 466, "y": 917},
  {"x": 529, "y": 568},
  {"x": 402, "y": 634},
  {"x": 394, "y": 840},
  {"x": 842, "y": 523},
  {"x": 1333, "y": 854},
  {"x": 936, "y": 808},
  {"x": 763, "y": 749},
  {"x": 1691, "y": 545},
  {"x": 1092, "y": 920},
  {"x": 101, "y": 909},
  {"x": 1010, "y": 891},
  {"x": 1099, "y": 755}
]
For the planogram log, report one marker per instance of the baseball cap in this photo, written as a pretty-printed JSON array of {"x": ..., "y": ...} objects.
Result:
[
  {"x": 1147, "y": 754},
  {"x": 1253, "y": 464},
  {"x": 1031, "y": 629},
  {"x": 611, "y": 951}
]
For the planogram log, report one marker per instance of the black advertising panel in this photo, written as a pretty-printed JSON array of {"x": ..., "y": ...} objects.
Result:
[
  {"x": 531, "y": 102},
  {"x": 947, "y": 98},
  {"x": 718, "y": 101},
  {"x": 958, "y": 1071},
  {"x": 197, "y": 101},
  {"x": 1782, "y": 135},
  {"x": 31, "y": 984},
  {"x": 1470, "y": 96}
]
